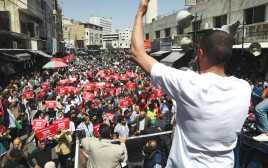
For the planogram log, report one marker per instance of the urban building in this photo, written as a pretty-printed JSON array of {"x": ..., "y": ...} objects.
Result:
[
  {"x": 151, "y": 14},
  {"x": 212, "y": 14},
  {"x": 105, "y": 23}
]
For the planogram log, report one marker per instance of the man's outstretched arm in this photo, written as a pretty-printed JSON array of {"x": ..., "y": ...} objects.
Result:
[{"x": 137, "y": 43}]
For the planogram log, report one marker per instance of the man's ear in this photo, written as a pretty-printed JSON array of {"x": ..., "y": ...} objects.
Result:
[{"x": 201, "y": 53}]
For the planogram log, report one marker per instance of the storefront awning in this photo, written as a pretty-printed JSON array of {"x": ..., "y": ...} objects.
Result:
[
  {"x": 40, "y": 53},
  {"x": 172, "y": 57},
  {"x": 159, "y": 53}
]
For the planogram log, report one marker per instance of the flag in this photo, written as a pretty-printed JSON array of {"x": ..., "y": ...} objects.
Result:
[
  {"x": 4, "y": 114},
  {"x": 9, "y": 119}
]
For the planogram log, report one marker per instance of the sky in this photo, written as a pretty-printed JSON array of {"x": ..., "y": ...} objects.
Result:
[{"x": 122, "y": 11}]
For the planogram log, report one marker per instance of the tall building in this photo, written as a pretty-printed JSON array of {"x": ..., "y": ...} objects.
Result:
[
  {"x": 151, "y": 14},
  {"x": 105, "y": 23}
]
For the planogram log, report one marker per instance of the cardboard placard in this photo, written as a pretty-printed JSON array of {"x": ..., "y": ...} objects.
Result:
[
  {"x": 116, "y": 76},
  {"x": 69, "y": 88},
  {"x": 158, "y": 92},
  {"x": 127, "y": 71},
  {"x": 72, "y": 80},
  {"x": 89, "y": 86},
  {"x": 61, "y": 124},
  {"x": 45, "y": 133},
  {"x": 78, "y": 108},
  {"x": 89, "y": 73},
  {"x": 28, "y": 95},
  {"x": 76, "y": 91},
  {"x": 42, "y": 94},
  {"x": 110, "y": 116},
  {"x": 131, "y": 85},
  {"x": 88, "y": 96},
  {"x": 149, "y": 87},
  {"x": 62, "y": 91},
  {"x": 103, "y": 75},
  {"x": 124, "y": 103},
  {"x": 96, "y": 129},
  {"x": 123, "y": 77},
  {"x": 62, "y": 82},
  {"x": 100, "y": 85},
  {"x": 107, "y": 78},
  {"x": 100, "y": 72},
  {"x": 132, "y": 75},
  {"x": 111, "y": 91},
  {"x": 109, "y": 72},
  {"x": 108, "y": 85},
  {"x": 39, "y": 123},
  {"x": 51, "y": 104},
  {"x": 153, "y": 95},
  {"x": 44, "y": 86},
  {"x": 2, "y": 129},
  {"x": 117, "y": 91}
]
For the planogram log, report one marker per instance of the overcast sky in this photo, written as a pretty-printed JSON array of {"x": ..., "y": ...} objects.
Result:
[{"x": 122, "y": 11}]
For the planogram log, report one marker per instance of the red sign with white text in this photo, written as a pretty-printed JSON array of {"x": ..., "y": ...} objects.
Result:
[
  {"x": 28, "y": 95},
  {"x": 123, "y": 77},
  {"x": 109, "y": 72},
  {"x": 124, "y": 103},
  {"x": 44, "y": 86},
  {"x": 79, "y": 107},
  {"x": 88, "y": 96},
  {"x": 72, "y": 80},
  {"x": 117, "y": 91},
  {"x": 110, "y": 116},
  {"x": 39, "y": 123},
  {"x": 51, "y": 104},
  {"x": 100, "y": 85},
  {"x": 131, "y": 85},
  {"x": 158, "y": 92},
  {"x": 61, "y": 124},
  {"x": 62, "y": 91},
  {"x": 76, "y": 91},
  {"x": 2, "y": 129},
  {"x": 153, "y": 95},
  {"x": 111, "y": 91},
  {"x": 42, "y": 94},
  {"x": 108, "y": 85},
  {"x": 69, "y": 88},
  {"x": 89, "y": 73},
  {"x": 103, "y": 75},
  {"x": 96, "y": 129},
  {"x": 89, "y": 86},
  {"x": 46, "y": 132}
]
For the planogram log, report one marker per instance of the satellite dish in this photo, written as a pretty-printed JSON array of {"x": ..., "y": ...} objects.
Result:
[
  {"x": 255, "y": 49},
  {"x": 184, "y": 19},
  {"x": 231, "y": 28}
]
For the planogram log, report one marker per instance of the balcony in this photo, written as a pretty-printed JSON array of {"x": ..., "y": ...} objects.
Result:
[{"x": 31, "y": 7}]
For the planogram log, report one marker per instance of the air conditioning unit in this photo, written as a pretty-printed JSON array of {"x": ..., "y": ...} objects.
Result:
[{"x": 14, "y": 45}]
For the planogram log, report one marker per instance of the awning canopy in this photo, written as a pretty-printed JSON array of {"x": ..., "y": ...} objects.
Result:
[
  {"x": 159, "y": 53},
  {"x": 23, "y": 55},
  {"x": 173, "y": 56},
  {"x": 19, "y": 57},
  {"x": 40, "y": 53}
]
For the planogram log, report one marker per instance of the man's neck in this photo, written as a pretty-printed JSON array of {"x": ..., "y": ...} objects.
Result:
[{"x": 213, "y": 69}]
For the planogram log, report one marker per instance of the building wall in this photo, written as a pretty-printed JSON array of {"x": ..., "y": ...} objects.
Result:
[
  {"x": 106, "y": 23},
  {"x": 151, "y": 12}
]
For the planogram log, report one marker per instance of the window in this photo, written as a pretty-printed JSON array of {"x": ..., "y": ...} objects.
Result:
[
  {"x": 87, "y": 33},
  {"x": 100, "y": 35},
  {"x": 120, "y": 44},
  {"x": 180, "y": 30},
  {"x": 196, "y": 25},
  {"x": 157, "y": 34},
  {"x": 126, "y": 44},
  {"x": 167, "y": 32},
  {"x": 147, "y": 36},
  {"x": 114, "y": 44},
  {"x": 255, "y": 15},
  {"x": 219, "y": 21}
]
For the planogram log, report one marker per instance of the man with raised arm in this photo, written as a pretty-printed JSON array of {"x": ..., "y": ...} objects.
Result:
[{"x": 211, "y": 107}]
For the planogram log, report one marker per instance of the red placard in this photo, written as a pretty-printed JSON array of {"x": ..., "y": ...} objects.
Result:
[
  {"x": 124, "y": 103},
  {"x": 88, "y": 96},
  {"x": 107, "y": 78},
  {"x": 44, "y": 86},
  {"x": 2, "y": 129},
  {"x": 110, "y": 116},
  {"x": 110, "y": 91},
  {"x": 147, "y": 44},
  {"x": 72, "y": 80},
  {"x": 123, "y": 77},
  {"x": 103, "y": 75},
  {"x": 39, "y": 123},
  {"x": 100, "y": 72},
  {"x": 62, "y": 82},
  {"x": 108, "y": 85},
  {"x": 78, "y": 108},
  {"x": 131, "y": 85},
  {"x": 126, "y": 71},
  {"x": 117, "y": 91},
  {"x": 73, "y": 76},
  {"x": 149, "y": 87},
  {"x": 89, "y": 73},
  {"x": 158, "y": 92},
  {"x": 109, "y": 72},
  {"x": 46, "y": 132},
  {"x": 69, "y": 88},
  {"x": 76, "y": 91},
  {"x": 89, "y": 86},
  {"x": 42, "y": 94},
  {"x": 96, "y": 129},
  {"x": 116, "y": 76},
  {"x": 100, "y": 85},
  {"x": 153, "y": 95},
  {"x": 62, "y": 90},
  {"x": 51, "y": 104},
  {"x": 132, "y": 75},
  {"x": 28, "y": 95},
  {"x": 61, "y": 124}
]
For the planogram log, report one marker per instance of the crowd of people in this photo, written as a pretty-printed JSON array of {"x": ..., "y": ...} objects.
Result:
[{"x": 148, "y": 110}]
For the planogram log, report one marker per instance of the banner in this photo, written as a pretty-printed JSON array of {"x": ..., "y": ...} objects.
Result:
[
  {"x": 158, "y": 92},
  {"x": 108, "y": 85},
  {"x": 109, "y": 72},
  {"x": 123, "y": 77},
  {"x": 124, "y": 103},
  {"x": 28, "y": 95},
  {"x": 89, "y": 86},
  {"x": 88, "y": 96},
  {"x": 100, "y": 85},
  {"x": 42, "y": 94},
  {"x": 45, "y": 133},
  {"x": 131, "y": 85},
  {"x": 39, "y": 123},
  {"x": 96, "y": 129},
  {"x": 61, "y": 124},
  {"x": 62, "y": 91},
  {"x": 51, "y": 104},
  {"x": 2, "y": 129},
  {"x": 110, "y": 116},
  {"x": 78, "y": 108},
  {"x": 44, "y": 86}
]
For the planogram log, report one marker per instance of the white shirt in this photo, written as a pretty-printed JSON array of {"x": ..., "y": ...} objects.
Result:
[
  {"x": 72, "y": 127},
  {"x": 210, "y": 113}
]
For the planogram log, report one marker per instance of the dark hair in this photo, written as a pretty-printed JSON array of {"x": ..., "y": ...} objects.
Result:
[
  {"x": 217, "y": 46},
  {"x": 161, "y": 116},
  {"x": 168, "y": 127},
  {"x": 152, "y": 147},
  {"x": 151, "y": 106},
  {"x": 120, "y": 118},
  {"x": 105, "y": 131},
  {"x": 116, "y": 134}
]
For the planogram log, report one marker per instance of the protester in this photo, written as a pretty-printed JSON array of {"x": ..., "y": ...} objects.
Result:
[
  {"x": 153, "y": 157},
  {"x": 86, "y": 126},
  {"x": 16, "y": 160},
  {"x": 142, "y": 121},
  {"x": 208, "y": 102},
  {"x": 122, "y": 127}
]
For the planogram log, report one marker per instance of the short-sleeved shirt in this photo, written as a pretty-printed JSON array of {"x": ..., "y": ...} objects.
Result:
[{"x": 211, "y": 110}]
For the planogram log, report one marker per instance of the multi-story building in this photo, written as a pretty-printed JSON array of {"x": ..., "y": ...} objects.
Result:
[
  {"x": 105, "y": 23},
  {"x": 212, "y": 14},
  {"x": 93, "y": 36},
  {"x": 124, "y": 41}
]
